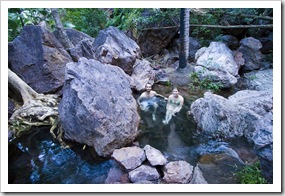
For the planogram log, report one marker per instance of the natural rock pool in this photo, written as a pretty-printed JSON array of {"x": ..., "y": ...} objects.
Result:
[{"x": 38, "y": 159}]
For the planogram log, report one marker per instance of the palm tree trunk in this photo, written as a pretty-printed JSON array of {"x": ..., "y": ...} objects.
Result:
[{"x": 184, "y": 37}]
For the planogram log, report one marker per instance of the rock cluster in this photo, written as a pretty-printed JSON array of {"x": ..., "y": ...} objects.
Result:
[{"x": 149, "y": 166}]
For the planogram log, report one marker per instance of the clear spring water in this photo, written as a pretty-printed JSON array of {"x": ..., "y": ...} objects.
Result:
[{"x": 38, "y": 159}]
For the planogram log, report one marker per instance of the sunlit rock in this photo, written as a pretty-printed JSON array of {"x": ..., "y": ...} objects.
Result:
[
  {"x": 129, "y": 157},
  {"x": 178, "y": 172},
  {"x": 154, "y": 156},
  {"x": 217, "y": 64}
]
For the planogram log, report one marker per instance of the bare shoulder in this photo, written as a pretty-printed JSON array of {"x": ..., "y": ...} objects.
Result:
[
  {"x": 181, "y": 98},
  {"x": 143, "y": 95},
  {"x": 152, "y": 93}
]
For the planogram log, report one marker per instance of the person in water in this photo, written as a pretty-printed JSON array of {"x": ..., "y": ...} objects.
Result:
[
  {"x": 147, "y": 100},
  {"x": 174, "y": 105}
]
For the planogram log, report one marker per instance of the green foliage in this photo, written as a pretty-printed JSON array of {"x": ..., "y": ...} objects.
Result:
[
  {"x": 140, "y": 18},
  {"x": 92, "y": 20},
  {"x": 168, "y": 83},
  {"x": 251, "y": 175},
  {"x": 205, "y": 83},
  {"x": 204, "y": 34},
  {"x": 19, "y": 17},
  {"x": 159, "y": 17},
  {"x": 86, "y": 20},
  {"x": 224, "y": 17},
  {"x": 124, "y": 18}
]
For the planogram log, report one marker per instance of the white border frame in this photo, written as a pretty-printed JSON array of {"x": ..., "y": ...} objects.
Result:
[{"x": 275, "y": 187}]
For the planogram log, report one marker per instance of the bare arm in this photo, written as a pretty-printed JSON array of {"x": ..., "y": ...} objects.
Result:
[
  {"x": 140, "y": 97},
  {"x": 159, "y": 95}
]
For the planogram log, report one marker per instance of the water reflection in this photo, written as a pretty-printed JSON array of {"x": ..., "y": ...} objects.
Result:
[
  {"x": 40, "y": 160},
  {"x": 176, "y": 139}
]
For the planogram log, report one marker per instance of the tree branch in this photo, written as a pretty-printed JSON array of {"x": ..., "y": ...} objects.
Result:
[
  {"x": 242, "y": 15},
  {"x": 214, "y": 26},
  {"x": 234, "y": 26}
]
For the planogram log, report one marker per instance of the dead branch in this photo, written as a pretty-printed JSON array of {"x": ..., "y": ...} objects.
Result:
[
  {"x": 242, "y": 15},
  {"x": 214, "y": 26}
]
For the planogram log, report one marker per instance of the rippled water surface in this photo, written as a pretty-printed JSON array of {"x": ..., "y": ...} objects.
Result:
[{"x": 38, "y": 159}]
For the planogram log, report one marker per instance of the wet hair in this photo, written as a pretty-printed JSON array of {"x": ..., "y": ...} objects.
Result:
[
  {"x": 148, "y": 84},
  {"x": 175, "y": 88}
]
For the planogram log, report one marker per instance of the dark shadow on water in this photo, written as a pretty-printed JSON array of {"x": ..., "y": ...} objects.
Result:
[{"x": 38, "y": 159}]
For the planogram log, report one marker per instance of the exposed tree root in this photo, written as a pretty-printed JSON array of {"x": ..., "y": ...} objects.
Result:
[{"x": 37, "y": 110}]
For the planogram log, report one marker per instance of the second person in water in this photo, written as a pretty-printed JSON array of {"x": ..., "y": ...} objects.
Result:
[{"x": 174, "y": 105}]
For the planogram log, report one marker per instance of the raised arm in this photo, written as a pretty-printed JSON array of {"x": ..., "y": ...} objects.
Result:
[{"x": 159, "y": 95}]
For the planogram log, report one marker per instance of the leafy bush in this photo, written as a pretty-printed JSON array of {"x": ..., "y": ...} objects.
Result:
[
  {"x": 86, "y": 20},
  {"x": 19, "y": 17},
  {"x": 251, "y": 175},
  {"x": 205, "y": 83},
  {"x": 124, "y": 18}
]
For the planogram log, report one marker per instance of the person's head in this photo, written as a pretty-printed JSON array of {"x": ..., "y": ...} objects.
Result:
[
  {"x": 175, "y": 92},
  {"x": 148, "y": 87}
]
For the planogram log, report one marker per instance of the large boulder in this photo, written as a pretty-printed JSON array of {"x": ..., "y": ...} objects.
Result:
[
  {"x": 38, "y": 57},
  {"x": 153, "y": 41},
  {"x": 97, "y": 107},
  {"x": 83, "y": 49},
  {"x": 142, "y": 74},
  {"x": 217, "y": 63},
  {"x": 257, "y": 80},
  {"x": 250, "y": 48},
  {"x": 83, "y": 44},
  {"x": 74, "y": 36},
  {"x": 263, "y": 144},
  {"x": 230, "y": 40},
  {"x": 112, "y": 46},
  {"x": 232, "y": 117}
]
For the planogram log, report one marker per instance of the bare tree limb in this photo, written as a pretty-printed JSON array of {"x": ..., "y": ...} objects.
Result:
[
  {"x": 242, "y": 15},
  {"x": 214, "y": 26}
]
